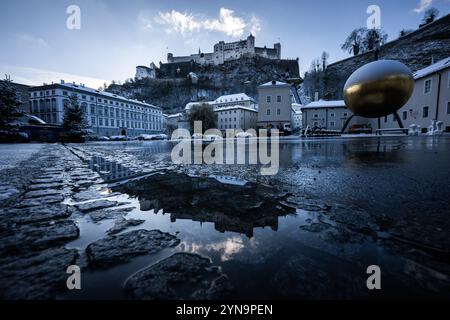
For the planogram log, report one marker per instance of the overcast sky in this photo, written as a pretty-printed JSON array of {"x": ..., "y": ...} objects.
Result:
[{"x": 117, "y": 35}]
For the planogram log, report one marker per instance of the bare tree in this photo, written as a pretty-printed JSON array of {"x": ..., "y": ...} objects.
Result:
[
  {"x": 353, "y": 42},
  {"x": 430, "y": 15},
  {"x": 324, "y": 58}
]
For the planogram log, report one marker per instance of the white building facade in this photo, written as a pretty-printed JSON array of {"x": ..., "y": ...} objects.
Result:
[
  {"x": 429, "y": 101},
  {"x": 236, "y": 117},
  {"x": 107, "y": 114}
]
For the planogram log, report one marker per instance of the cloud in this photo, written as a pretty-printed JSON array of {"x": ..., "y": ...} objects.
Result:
[
  {"x": 145, "y": 22},
  {"x": 423, "y": 4},
  {"x": 32, "y": 40},
  {"x": 228, "y": 23},
  {"x": 36, "y": 77}
]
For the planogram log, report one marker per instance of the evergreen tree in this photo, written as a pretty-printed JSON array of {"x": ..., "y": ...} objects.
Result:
[
  {"x": 74, "y": 117},
  {"x": 205, "y": 114},
  {"x": 9, "y": 104}
]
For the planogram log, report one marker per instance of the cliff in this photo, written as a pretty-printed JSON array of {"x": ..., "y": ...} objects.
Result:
[
  {"x": 173, "y": 88},
  {"x": 417, "y": 50}
]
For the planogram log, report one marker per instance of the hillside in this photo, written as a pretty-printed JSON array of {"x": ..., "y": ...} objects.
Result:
[
  {"x": 173, "y": 88},
  {"x": 417, "y": 50}
]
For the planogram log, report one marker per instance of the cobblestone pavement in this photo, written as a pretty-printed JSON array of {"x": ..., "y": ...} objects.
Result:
[
  {"x": 59, "y": 208},
  {"x": 44, "y": 196}
]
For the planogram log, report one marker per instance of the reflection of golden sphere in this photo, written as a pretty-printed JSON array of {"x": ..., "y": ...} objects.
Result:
[{"x": 378, "y": 88}]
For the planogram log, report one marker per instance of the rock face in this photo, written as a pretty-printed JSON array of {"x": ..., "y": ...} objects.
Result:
[
  {"x": 121, "y": 248},
  {"x": 173, "y": 90},
  {"x": 181, "y": 276},
  {"x": 416, "y": 50}
]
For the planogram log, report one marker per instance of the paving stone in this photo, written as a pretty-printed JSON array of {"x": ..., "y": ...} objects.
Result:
[{"x": 116, "y": 249}]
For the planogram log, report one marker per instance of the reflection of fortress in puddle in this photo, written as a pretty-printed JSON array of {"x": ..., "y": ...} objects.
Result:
[{"x": 231, "y": 204}]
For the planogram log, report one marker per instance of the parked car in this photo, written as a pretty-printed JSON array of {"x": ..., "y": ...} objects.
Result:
[
  {"x": 103, "y": 138},
  {"x": 244, "y": 135},
  {"x": 359, "y": 128},
  {"x": 211, "y": 137},
  {"x": 118, "y": 138}
]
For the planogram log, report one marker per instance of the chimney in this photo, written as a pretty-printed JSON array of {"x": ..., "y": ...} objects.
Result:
[
  {"x": 62, "y": 81},
  {"x": 316, "y": 96}
]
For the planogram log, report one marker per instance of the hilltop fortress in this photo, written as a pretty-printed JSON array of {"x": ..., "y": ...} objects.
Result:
[
  {"x": 227, "y": 51},
  {"x": 223, "y": 52}
]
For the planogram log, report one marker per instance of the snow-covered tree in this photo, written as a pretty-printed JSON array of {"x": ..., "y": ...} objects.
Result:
[
  {"x": 74, "y": 117},
  {"x": 363, "y": 40},
  {"x": 354, "y": 41},
  {"x": 373, "y": 39},
  {"x": 9, "y": 104},
  {"x": 430, "y": 15}
]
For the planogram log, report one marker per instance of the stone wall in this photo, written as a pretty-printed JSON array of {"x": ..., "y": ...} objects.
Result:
[{"x": 416, "y": 50}]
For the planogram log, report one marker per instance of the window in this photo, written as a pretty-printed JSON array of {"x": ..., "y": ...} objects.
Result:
[
  {"x": 345, "y": 114},
  {"x": 278, "y": 111},
  {"x": 405, "y": 115},
  {"x": 331, "y": 123},
  {"x": 448, "y": 107},
  {"x": 316, "y": 115},
  {"x": 268, "y": 112},
  {"x": 332, "y": 114},
  {"x": 278, "y": 98},
  {"x": 425, "y": 112},
  {"x": 316, "y": 124},
  {"x": 427, "y": 86},
  {"x": 268, "y": 99},
  {"x": 385, "y": 119},
  {"x": 65, "y": 93}
]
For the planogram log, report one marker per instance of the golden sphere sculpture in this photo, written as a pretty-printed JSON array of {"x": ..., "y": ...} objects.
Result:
[{"x": 378, "y": 89}]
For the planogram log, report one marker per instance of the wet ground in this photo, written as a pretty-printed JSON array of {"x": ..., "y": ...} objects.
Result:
[{"x": 335, "y": 207}]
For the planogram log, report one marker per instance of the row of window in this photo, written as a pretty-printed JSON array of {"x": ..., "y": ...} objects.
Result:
[
  {"x": 425, "y": 113},
  {"x": 428, "y": 84},
  {"x": 105, "y": 122},
  {"x": 332, "y": 115},
  {"x": 268, "y": 112},
  {"x": 269, "y": 99},
  {"x": 99, "y": 100}
]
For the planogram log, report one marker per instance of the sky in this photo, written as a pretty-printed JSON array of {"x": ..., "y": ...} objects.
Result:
[{"x": 114, "y": 36}]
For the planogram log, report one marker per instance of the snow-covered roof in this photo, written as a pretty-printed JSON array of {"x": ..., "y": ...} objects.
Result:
[
  {"x": 191, "y": 104},
  {"x": 438, "y": 66},
  {"x": 297, "y": 106},
  {"x": 325, "y": 104},
  {"x": 235, "y": 107},
  {"x": 233, "y": 98},
  {"x": 176, "y": 115},
  {"x": 273, "y": 84}
]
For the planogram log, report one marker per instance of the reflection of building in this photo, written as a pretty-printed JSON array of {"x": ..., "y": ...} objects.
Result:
[
  {"x": 207, "y": 200},
  {"x": 106, "y": 113},
  {"x": 228, "y": 51},
  {"x": 275, "y": 103}
]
